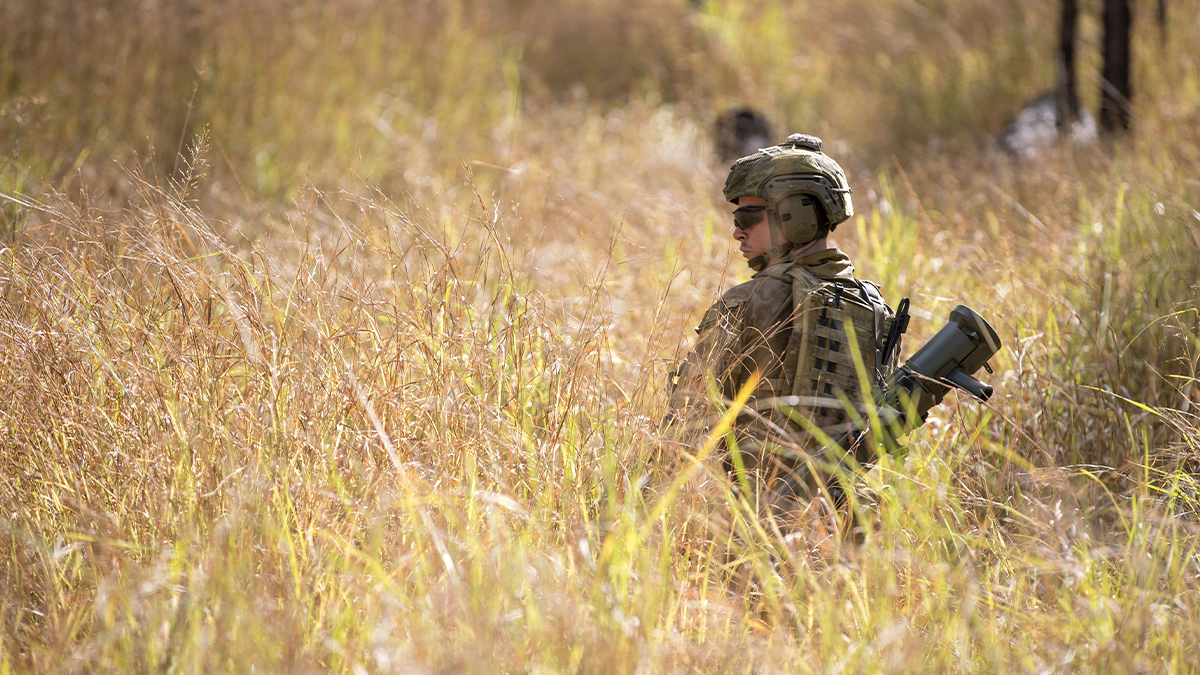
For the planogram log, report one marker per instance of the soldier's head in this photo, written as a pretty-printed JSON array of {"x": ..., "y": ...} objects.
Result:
[{"x": 798, "y": 190}]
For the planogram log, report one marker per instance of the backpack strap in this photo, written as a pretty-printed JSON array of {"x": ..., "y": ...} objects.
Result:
[{"x": 872, "y": 296}]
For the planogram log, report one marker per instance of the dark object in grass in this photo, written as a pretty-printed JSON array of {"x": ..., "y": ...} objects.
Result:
[{"x": 740, "y": 132}]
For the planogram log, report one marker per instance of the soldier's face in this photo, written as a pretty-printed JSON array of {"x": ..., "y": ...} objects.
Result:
[{"x": 754, "y": 240}]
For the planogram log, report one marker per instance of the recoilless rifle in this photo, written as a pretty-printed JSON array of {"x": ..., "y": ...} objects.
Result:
[{"x": 949, "y": 360}]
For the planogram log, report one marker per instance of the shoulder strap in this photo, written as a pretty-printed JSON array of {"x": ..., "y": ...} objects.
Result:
[{"x": 871, "y": 295}]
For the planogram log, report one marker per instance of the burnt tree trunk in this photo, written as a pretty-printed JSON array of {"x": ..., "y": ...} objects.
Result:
[
  {"x": 1116, "y": 92},
  {"x": 1067, "y": 94},
  {"x": 1162, "y": 23}
]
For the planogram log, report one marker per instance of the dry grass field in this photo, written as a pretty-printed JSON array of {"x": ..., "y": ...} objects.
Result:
[{"x": 335, "y": 337}]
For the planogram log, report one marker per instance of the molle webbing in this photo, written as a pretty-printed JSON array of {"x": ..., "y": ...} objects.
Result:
[{"x": 820, "y": 358}]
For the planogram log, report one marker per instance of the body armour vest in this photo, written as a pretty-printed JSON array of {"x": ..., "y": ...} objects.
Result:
[
  {"x": 835, "y": 322},
  {"x": 836, "y": 348}
]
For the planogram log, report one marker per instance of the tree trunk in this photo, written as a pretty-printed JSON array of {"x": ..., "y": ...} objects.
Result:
[
  {"x": 1067, "y": 94},
  {"x": 1162, "y": 23},
  {"x": 1116, "y": 91}
]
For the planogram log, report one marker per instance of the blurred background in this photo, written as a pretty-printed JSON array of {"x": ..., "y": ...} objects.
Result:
[
  {"x": 336, "y": 333},
  {"x": 314, "y": 91},
  {"x": 595, "y": 127}
]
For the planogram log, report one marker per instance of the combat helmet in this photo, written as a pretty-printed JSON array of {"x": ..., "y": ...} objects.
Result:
[{"x": 806, "y": 192}]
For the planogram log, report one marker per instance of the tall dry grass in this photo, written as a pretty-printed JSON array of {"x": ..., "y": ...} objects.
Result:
[{"x": 367, "y": 378}]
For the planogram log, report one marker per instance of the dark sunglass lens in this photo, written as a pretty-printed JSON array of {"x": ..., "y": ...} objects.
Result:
[{"x": 747, "y": 217}]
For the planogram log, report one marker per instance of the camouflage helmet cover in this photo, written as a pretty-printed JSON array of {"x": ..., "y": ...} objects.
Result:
[{"x": 799, "y": 156}]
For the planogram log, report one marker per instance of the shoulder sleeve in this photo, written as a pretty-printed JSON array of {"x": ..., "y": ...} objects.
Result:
[
  {"x": 713, "y": 354},
  {"x": 719, "y": 330}
]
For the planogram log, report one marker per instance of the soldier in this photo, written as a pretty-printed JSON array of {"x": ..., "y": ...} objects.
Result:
[{"x": 803, "y": 322}]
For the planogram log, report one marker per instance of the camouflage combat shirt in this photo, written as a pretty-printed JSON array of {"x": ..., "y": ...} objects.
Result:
[{"x": 750, "y": 329}]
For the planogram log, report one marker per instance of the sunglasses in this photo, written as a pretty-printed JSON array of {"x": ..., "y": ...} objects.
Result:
[{"x": 746, "y": 217}]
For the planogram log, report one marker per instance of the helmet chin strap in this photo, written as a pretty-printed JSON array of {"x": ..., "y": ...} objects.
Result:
[{"x": 779, "y": 245}]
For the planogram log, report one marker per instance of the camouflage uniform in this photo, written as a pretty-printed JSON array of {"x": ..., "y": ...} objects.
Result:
[
  {"x": 788, "y": 324},
  {"x": 753, "y": 328},
  {"x": 821, "y": 340}
]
